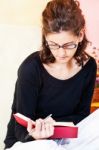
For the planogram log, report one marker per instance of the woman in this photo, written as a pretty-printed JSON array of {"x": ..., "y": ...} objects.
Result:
[{"x": 59, "y": 79}]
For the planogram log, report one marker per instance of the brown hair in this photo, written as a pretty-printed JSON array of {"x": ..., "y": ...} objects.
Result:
[{"x": 63, "y": 15}]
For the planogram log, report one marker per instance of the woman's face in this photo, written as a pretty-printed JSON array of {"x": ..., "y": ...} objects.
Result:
[{"x": 63, "y": 45}]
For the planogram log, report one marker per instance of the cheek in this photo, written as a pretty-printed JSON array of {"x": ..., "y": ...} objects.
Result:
[
  {"x": 71, "y": 54},
  {"x": 53, "y": 53},
  {"x": 74, "y": 52}
]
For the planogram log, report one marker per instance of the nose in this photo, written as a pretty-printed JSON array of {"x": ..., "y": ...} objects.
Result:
[{"x": 61, "y": 52}]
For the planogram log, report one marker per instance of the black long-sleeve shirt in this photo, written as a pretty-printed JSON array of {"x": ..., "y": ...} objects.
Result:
[{"x": 38, "y": 94}]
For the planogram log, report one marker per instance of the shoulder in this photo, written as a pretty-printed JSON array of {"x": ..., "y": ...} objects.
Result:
[
  {"x": 90, "y": 69},
  {"x": 91, "y": 63},
  {"x": 30, "y": 65}
]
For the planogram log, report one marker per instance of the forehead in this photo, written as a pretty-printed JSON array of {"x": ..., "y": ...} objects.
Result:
[{"x": 61, "y": 37}]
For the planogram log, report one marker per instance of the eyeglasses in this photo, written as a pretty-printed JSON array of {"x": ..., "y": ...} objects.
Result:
[{"x": 67, "y": 46}]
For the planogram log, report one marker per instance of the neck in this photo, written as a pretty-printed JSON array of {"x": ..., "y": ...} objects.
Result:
[{"x": 64, "y": 65}]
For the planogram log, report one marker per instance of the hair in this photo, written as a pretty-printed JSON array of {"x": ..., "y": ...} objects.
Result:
[{"x": 63, "y": 15}]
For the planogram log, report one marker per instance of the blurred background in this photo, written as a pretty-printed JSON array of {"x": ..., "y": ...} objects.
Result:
[{"x": 20, "y": 35}]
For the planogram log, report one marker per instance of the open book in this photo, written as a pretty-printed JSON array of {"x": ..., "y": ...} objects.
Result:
[{"x": 61, "y": 130}]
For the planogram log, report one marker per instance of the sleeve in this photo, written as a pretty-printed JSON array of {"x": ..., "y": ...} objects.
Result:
[
  {"x": 83, "y": 108},
  {"x": 27, "y": 89},
  {"x": 10, "y": 138}
]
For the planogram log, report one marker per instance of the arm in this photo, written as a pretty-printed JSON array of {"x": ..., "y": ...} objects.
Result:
[
  {"x": 10, "y": 138},
  {"x": 25, "y": 98},
  {"x": 27, "y": 90}
]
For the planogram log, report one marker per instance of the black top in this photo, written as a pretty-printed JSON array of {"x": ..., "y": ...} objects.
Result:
[{"x": 38, "y": 94}]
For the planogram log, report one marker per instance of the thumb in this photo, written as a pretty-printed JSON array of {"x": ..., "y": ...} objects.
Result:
[{"x": 29, "y": 125}]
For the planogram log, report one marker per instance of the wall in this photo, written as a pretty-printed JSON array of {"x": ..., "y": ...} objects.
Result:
[{"x": 91, "y": 11}]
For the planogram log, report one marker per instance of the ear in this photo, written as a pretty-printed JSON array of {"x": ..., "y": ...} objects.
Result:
[{"x": 81, "y": 35}]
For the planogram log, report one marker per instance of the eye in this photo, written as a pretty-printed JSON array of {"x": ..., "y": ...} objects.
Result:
[
  {"x": 53, "y": 46},
  {"x": 69, "y": 46}
]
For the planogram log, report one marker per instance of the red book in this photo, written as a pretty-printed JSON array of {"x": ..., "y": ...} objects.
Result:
[{"x": 61, "y": 130}]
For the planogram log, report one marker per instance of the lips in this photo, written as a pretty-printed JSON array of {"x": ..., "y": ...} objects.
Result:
[{"x": 63, "y": 57}]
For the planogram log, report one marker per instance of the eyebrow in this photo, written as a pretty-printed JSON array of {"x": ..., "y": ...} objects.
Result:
[{"x": 63, "y": 44}]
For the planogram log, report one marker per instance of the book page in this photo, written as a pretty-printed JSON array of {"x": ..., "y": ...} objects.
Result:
[
  {"x": 55, "y": 123},
  {"x": 64, "y": 124}
]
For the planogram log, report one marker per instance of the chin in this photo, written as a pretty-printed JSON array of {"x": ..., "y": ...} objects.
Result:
[{"x": 63, "y": 61}]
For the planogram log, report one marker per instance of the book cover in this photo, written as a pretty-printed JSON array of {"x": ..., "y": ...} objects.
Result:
[{"x": 61, "y": 130}]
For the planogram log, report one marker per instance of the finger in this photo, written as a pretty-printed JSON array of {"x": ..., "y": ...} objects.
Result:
[
  {"x": 38, "y": 124},
  {"x": 43, "y": 131},
  {"x": 38, "y": 128},
  {"x": 49, "y": 130},
  {"x": 29, "y": 126},
  {"x": 49, "y": 120}
]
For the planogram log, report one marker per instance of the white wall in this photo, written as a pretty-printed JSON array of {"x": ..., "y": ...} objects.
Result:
[{"x": 21, "y": 12}]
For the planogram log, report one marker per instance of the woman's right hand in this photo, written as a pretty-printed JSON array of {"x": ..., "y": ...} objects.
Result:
[{"x": 43, "y": 129}]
